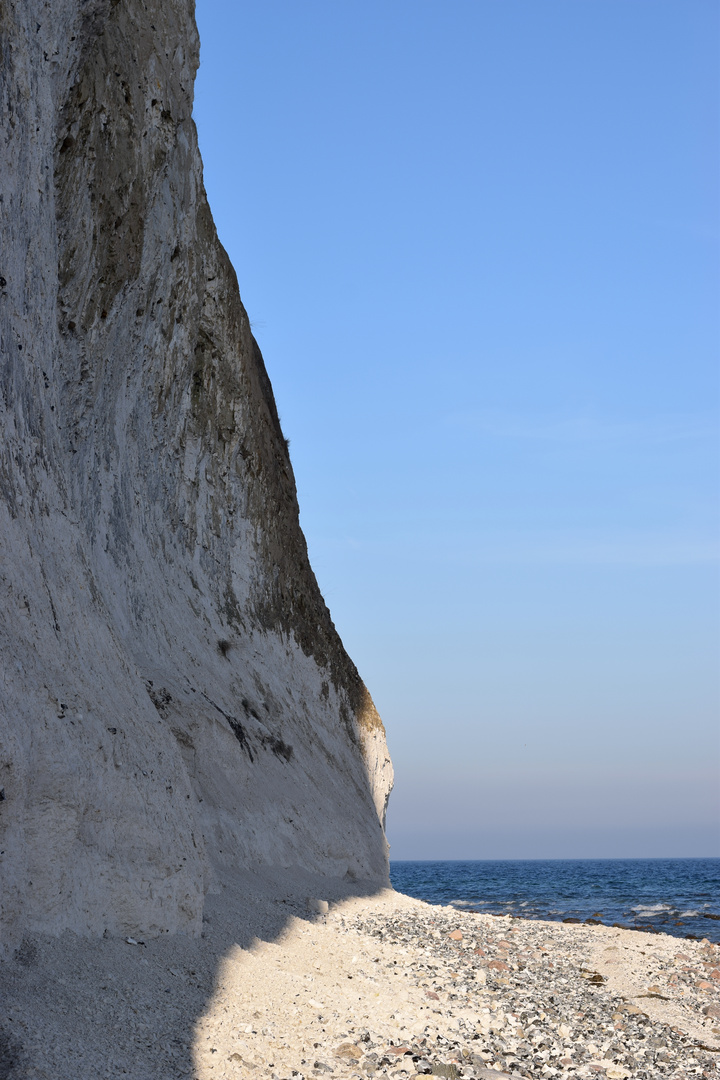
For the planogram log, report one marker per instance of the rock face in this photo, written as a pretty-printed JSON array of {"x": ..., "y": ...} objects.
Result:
[{"x": 174, "y": 695}]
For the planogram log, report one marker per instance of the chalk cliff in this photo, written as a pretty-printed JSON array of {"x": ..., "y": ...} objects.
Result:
[{"x": 174, "y": 697}]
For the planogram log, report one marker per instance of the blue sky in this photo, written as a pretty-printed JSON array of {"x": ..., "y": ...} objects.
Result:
[{"x": 478, "y": 242}]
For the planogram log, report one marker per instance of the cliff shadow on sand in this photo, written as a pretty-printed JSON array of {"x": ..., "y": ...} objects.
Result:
[{"x": 79, "y": 1007}]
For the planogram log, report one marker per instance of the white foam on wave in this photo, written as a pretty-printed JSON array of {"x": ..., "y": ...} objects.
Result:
[
  {"x": 689, "y": 914},
  {"x": 651, "y": 909}
]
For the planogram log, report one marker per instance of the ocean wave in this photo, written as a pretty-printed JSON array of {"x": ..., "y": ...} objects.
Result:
[
  {"x": 651, "y": 909},
  {"x": 689, "y": 914}
]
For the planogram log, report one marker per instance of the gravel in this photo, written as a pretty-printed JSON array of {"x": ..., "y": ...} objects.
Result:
[{"x": 379, "y": 986}]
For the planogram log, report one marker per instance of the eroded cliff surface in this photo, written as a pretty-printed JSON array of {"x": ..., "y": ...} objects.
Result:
[{"x": 174, "y": 695}]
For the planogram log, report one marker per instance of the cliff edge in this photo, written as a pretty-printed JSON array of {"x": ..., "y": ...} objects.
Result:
[{"x": 174, "y": 697}]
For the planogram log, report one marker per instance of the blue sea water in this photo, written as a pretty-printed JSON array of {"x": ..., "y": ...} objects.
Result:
[{"x": 672, "y": 896}]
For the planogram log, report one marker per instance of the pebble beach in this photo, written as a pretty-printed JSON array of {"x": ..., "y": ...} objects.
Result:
[{"x": 381, "y": 985}]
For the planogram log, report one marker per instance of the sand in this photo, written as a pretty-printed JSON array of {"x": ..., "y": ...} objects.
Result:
[{"x": 381, "y": 984}]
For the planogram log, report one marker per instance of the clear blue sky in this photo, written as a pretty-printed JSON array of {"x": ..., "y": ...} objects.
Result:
[{"x": 479, "y": 245}]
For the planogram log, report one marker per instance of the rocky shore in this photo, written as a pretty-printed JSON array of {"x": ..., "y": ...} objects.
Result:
[{"x": 380, "y": 985}]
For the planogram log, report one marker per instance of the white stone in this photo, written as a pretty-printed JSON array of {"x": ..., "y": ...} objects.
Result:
[{"x": 317, "y": 907}]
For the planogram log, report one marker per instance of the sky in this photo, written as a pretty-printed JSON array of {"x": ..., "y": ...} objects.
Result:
[{"x": 478, "y": 243}]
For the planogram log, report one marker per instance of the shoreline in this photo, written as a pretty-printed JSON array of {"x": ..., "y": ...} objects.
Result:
[
  {"x": 665, "y": 895},
  {"x": 572, "y": 921},
  {"x": 381, "y": 985}
]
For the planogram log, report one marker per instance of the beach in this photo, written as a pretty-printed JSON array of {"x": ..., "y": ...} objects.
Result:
[{"x": 380, "y": 984}]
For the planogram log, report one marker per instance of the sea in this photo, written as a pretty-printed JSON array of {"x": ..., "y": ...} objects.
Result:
[{"x": 680, "y": 897}]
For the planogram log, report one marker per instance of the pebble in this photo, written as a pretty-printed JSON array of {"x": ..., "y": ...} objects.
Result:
[
  {"x": 509, "y": 1000},
  {"x": 375, "y": 987}
]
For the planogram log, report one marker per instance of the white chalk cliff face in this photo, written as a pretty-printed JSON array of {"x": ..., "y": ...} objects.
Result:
[{"x": 174, "y": 697}]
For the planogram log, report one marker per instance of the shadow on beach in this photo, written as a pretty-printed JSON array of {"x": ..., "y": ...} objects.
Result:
[{"x": 89, "y": 1008}]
